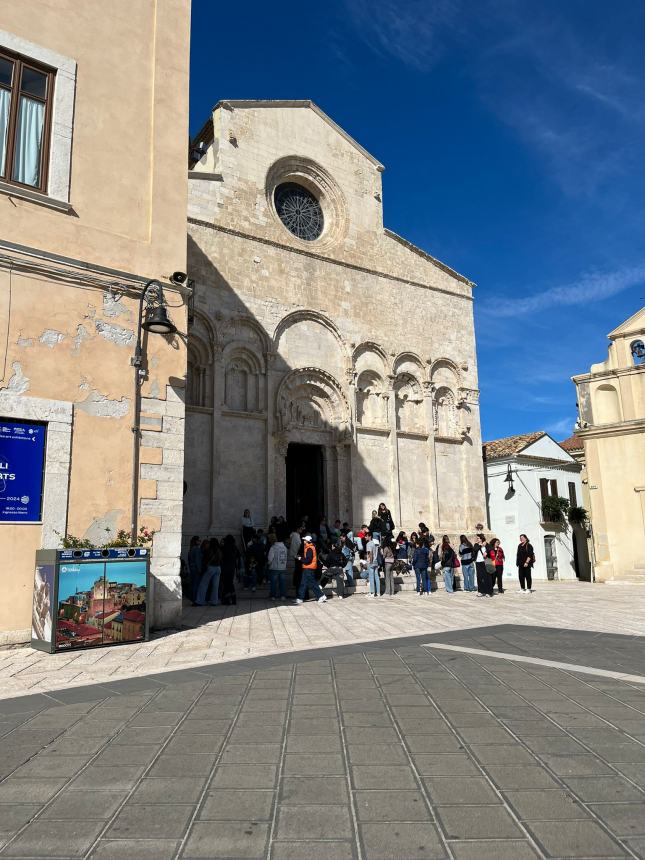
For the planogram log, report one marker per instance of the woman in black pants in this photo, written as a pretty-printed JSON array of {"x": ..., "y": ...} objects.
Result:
[
  {"x": 525, "y": 561},
  {"x": 484, "y": 579}
]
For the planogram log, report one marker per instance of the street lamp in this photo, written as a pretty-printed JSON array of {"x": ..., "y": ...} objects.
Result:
[{"x": 156, "y": 321}]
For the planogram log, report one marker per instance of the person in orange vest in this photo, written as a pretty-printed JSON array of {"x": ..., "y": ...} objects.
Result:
[{"x": 309, "y": 559}]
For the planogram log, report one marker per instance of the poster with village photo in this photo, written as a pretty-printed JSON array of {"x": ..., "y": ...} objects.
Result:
[{"x": 100, "y": 603}]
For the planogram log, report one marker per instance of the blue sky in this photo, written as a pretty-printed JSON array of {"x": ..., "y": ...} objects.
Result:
[{"x": 513, "y": 136}]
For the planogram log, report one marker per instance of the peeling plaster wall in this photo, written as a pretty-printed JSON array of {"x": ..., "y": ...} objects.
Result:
[{"x": 83, "y": 359}]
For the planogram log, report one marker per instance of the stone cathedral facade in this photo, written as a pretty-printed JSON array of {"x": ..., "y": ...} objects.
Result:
[{"x": 331, "y": 363}]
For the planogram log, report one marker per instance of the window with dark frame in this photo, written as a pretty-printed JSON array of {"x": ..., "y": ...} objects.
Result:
[
  {"x": 544, "y": 488},
  {"x": 554, "y": 487},
  {"x": 573, "y": 499},
  {"x": 26, "y": 95}
]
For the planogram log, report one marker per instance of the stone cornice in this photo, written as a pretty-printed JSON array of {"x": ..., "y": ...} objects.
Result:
[
  {"x": 622, "y": 428},
  {"x": 608, "y": 374},
  {"x": 324, "y": 259}
]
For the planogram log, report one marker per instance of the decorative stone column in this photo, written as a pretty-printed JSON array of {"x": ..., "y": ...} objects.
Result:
[
  {"x": 433, "y": 492},
  {"x": 395, "y": 485},
  {"x": 219, "y": 391},
  {"x": 276, "y": 450}
]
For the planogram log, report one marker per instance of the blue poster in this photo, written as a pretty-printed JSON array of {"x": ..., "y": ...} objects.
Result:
[{"x": 22, "y": 460}]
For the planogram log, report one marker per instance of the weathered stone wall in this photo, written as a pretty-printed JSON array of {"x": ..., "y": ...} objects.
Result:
[{"x": 356, "y": 341}]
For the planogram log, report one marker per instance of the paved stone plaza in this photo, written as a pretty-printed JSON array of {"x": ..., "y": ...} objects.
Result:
[
  {"x": 257, "y": 626},
  {"x": 424, "y": 746}
]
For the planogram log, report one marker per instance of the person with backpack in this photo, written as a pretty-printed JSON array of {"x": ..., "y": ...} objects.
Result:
[
  {"x": 449, "y": 562},
  {"x": 467, "y": 558},
  {"x": 525, "y": 559},
  {"x": 496, "y": 553},
  {"x": 277, "y": 562}
]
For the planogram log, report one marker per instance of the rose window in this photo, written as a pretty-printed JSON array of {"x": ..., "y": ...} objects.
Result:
[{"x": 299, "y": 211}]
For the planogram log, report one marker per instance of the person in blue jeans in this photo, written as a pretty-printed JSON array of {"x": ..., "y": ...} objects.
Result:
[
  {"x": 348, "y": 558},
  {"x": 420, "y": 562},
  {"x": 467, "y": 556},
  {"x": 277, "y": 562},
  {"x": 210, "y": 579},
  {"x": 447, "y": 558},
  {"x": 373, "y": 552},
  {"x": 309, "y": 560}
]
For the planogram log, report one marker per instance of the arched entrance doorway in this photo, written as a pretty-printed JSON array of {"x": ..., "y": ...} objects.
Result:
[
  {"x": 313, "y": 460},
  {"x": 305, "y": 482}
]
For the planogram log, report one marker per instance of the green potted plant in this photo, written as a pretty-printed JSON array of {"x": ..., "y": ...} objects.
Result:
[
  {"x": 554, "y": 509},
  {"x": 577, "y": 516},
  {"x": 122, "y": 538}
]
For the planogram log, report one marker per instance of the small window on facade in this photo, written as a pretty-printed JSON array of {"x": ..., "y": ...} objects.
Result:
[
  {"x": 26, "y": 91},
  {"x": 637, "y": 348},
  {"x": 554, "y": 487},
  {"x": 573, "y": 500},
  {"x": 544, "y": 488}
]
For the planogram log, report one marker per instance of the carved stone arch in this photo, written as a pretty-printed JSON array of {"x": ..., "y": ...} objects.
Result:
[
  {"x": 370, "y": 356},
  {"x": 408, "y": 402},
  {"x": 444, "y": 371},
  {"x": 243, "y": 370},
  {"x": 234, "y": 329},
  {"x": 315, "y": 316},
  {"x": 409, "y": 362},
  {"x": 446, "y": 422},
  {"x": 247, "y": 353},
  {"x": 204, "y": 327},
  {"x": 199, "y": 372},
  {"x": 371, "y": 399},
  {"x": 311, "y": 398}
]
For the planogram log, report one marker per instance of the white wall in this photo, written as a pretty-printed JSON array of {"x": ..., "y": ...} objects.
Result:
[{"x": 521, "y": 513}]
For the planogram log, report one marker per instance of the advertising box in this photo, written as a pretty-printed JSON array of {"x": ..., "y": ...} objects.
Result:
[{"x": 86, "y": 598}]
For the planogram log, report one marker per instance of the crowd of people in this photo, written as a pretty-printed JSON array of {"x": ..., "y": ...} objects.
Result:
[{"x": 312, "y": 556}]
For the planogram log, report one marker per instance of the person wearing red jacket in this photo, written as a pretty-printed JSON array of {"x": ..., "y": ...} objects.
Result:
[{"x": 497, "y": 554}]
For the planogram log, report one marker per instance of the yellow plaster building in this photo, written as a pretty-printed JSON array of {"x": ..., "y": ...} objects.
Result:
[
  {"x": 93, "y": 188},
  {"x": 611, "y": 404}
]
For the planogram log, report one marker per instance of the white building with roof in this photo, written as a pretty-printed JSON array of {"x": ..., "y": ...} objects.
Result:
[{"x": 521, "y": 472}]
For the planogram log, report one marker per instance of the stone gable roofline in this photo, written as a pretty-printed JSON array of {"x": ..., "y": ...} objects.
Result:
[
  {"x": 206, "y": 134},
  {"x": 631, "y": 326},
  {"x": 416, "y": 250}
]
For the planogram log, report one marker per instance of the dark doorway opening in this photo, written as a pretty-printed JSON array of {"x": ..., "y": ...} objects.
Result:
[{"x": 305, "y": 483}]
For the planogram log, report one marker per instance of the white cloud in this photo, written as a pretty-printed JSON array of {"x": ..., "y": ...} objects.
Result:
[
  {"x": 592, "y": 287},
  {"x": 563, "y": 427},
  {"x": 413, "y": 32}
]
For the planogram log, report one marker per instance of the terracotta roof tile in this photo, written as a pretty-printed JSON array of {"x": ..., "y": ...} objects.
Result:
[
  {"x": 573, "y": 443},
  {"x": 510, "y": 445}
]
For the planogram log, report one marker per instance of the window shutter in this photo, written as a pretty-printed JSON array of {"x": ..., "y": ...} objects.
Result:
[
  {"x": 573, "y": 501},
  {"x": 544, "y": 488},
  {"x": 554, "y": 488}
]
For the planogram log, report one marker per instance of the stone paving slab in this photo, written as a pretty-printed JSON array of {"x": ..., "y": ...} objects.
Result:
[
  {"x": 368, "y": 752},
  {"x": 257, "y": 626}
]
